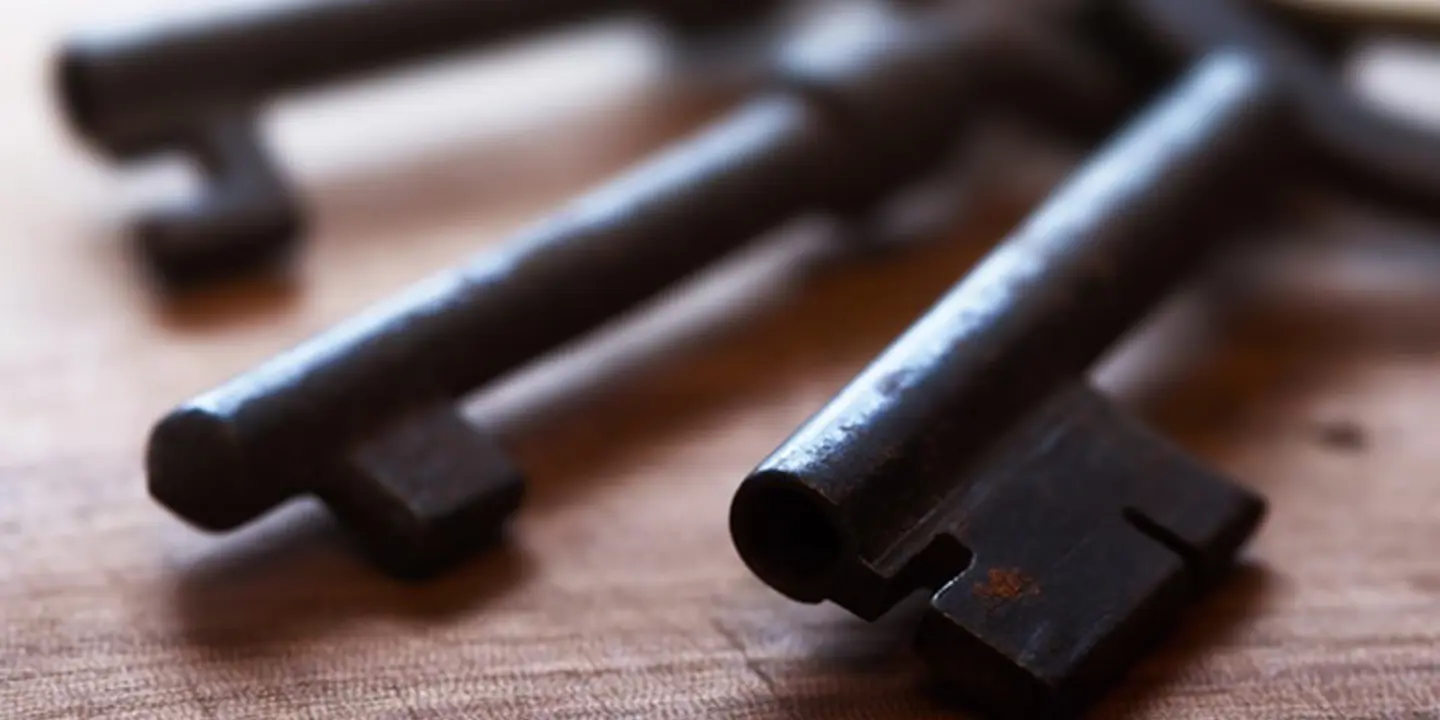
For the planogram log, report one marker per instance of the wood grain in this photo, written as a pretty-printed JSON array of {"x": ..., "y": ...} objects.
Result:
[{"x": 1313, "y": 375}]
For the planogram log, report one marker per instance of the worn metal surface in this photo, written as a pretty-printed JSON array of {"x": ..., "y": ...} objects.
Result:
[
  {"x": 1059, "y": 538},
  {"x": 192, "y": 83},
  {"x": 970, "y": 460},
  {"x": 865, "y": 102}
]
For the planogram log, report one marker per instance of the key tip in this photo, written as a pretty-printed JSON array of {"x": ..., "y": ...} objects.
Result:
[{"x": 196, "y": 467}]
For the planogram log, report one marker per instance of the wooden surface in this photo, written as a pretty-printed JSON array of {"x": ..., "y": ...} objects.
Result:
[{"x": 1315, "y": 378}]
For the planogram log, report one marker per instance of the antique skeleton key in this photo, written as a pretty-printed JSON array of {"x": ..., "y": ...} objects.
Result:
[{"x": 1058, "y": 537}]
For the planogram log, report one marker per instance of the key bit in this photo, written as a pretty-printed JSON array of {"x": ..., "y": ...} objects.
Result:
[
  {"x": 193, "y": 84},
  {"x": 864, "y": 104}
]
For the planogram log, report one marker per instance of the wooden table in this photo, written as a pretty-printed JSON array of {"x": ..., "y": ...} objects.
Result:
[{"x": 618, "y": 593}]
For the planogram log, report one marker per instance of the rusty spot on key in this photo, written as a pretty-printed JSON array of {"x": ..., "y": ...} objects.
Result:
[{"x": 1006, "y": 584}]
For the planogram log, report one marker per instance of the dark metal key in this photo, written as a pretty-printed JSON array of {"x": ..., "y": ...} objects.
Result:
[
  {"x": 1058, "y": 537},
  {"x": 972, "y": 460}
]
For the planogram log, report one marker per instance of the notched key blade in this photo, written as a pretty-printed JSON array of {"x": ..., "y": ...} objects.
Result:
[
  {"x": 1056, "y": 557},
  {"x": 1090, "y": 535},
  {"x": 425, "y": 491}
]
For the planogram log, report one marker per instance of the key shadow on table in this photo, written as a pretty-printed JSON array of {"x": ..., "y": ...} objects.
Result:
[{"x": 295, "y": 574}]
